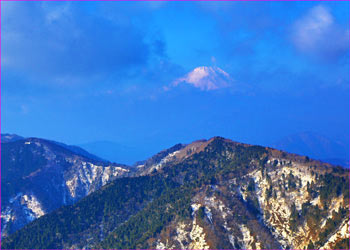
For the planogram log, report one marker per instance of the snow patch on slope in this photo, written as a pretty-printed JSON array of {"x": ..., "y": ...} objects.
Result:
[
  {"x": 341, "y": 233},
  {"x": 248, "y": 239},
  {"x": 198, "y": 237},
  {"x": 166, "y": 159},
  {"x": 88, "y": 177},
  {"x": 33, "y": 206}
]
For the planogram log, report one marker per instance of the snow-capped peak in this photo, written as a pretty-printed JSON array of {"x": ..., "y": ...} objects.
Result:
[{"x": 206, "y": 78}]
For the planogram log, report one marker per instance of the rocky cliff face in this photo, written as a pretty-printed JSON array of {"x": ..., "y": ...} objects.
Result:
[
  {"x": 39, "y": 176},
  {"x": 283, "y": 194},
  {"x": 215, "y": 216}
]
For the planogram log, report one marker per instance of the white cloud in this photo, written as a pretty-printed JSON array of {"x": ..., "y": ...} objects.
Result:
[
  {"x": 317, "y": 33},
  {"x": 206, "y": 78},
  {"x": 312, "y": 27}
]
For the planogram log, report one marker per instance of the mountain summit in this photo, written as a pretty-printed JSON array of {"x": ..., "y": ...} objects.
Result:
[{"x": 206, "y": 78}]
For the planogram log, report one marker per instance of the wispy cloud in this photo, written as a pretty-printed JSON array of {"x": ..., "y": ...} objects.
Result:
[
  {"x": 317, "y": 33},
  {"x": 205, "y": 78},
  {"x": 56, "y": 12}
]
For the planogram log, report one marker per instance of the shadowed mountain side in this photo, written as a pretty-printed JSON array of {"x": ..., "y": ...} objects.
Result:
[{"x": 38, "y": 176}]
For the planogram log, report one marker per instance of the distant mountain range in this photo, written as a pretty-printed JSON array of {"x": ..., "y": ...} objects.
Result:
[
  {"x": 115, "y": 152},
  {"x": 209, "y": 194},
  {"x": 10, "y": 138},
  {"x": 316, "y": 146},
  {"x": 311, "y": 144}
]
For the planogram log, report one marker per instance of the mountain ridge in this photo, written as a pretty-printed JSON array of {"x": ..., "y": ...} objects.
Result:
[
  {"x": 316, "y": 146},
  {"x": 222, "y": 194},
  {"x": 38, "y": 176}
]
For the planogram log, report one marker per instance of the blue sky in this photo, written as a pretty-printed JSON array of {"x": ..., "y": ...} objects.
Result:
[{"x": 87, "y": 71}]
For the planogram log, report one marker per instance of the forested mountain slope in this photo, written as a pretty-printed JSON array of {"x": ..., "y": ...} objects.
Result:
[
  {"x": 206, "y": 195},
  {"x": 39, "y": 176}
]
